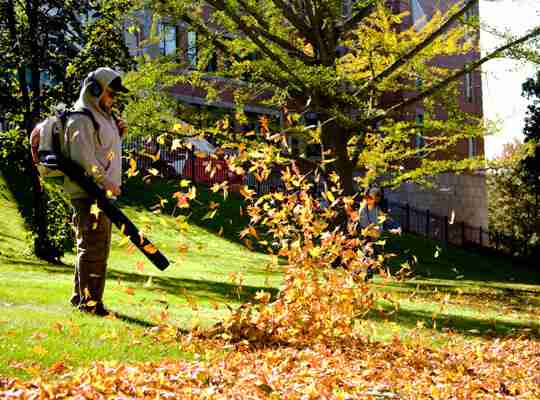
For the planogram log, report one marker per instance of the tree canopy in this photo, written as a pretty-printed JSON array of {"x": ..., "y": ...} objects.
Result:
[
  {"x": 362, "y": 72},
  {"x": 41, "y": 40},
  {"x": 531, "y": 161},
  {"x": 47, "y": 47}
]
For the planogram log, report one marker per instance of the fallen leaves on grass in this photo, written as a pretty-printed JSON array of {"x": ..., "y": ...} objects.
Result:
[{"x": 354, "y": 369}]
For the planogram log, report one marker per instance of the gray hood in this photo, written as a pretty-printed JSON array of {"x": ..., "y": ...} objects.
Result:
[
  {"x": 98, "y": 152},
  {"x": 103, "y": 76}
]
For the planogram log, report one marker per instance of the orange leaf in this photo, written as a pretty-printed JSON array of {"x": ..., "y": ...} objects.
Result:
[
  {"x": 130, "y": 291},
  {"x": 150, "y": 248},
  {"x": 58, "y": 367}
]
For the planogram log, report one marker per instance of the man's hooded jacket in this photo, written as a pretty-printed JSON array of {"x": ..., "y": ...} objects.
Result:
[{"x": 98, "y": 152}]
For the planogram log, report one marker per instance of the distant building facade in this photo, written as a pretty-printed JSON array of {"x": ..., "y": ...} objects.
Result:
[{"x": 463, "y": 195}]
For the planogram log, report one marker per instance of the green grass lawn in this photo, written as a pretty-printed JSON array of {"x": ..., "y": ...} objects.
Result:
[
  {"x": 37, "y": 325},
  {"x": 454, "y": 295}
]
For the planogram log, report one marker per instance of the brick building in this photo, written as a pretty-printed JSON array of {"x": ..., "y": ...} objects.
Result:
[
  {"x": 464, "y": 195},
  {"x": 177, "y": 38}
]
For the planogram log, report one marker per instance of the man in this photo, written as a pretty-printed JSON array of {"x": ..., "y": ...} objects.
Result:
[
  {"x": 95, "y": 144},
  {"x": 373, "y": 215},
  {"x": 373, "y": 221}
]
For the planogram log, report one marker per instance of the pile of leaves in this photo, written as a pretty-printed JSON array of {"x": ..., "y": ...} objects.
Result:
[
  {"x": 313, "y": 233},
  {"x": 503, "y": 368}
]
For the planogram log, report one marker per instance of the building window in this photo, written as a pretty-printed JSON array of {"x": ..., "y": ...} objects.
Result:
[
  {"x": 418, "y": 16},
  {"x": 314, "y": 151},
  {"x": 295, "y": 147},
  {"x": 45, "y": 78},
  {"x": 469, "y": 19},
  {"x": 473, "y": 147},
  {"x": 167, "y": 39},
  {"x": 192, "y": 48},
  {"x": 346, "y": 8},
  {"x": 138, "y": 38},
  {"x": 419, "y": 141},
  {"x": 418, "y": 82},
  {"x": 468, "y": 87},
  {"x": 212, "y": 65}
]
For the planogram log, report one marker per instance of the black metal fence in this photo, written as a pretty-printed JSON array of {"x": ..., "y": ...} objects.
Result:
[
  {"x": 154, "y": 157},
  {"x": 459, "y": 233}
]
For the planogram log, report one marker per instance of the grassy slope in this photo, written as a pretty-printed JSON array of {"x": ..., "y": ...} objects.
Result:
[
  {"x": 460, "y": 292},
  {"x": 38, "y": 326},
  {"x": 487, "y": 295}
]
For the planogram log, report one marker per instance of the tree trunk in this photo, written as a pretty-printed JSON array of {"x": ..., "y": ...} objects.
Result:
[
  {"x": 42, "y": 244},
  {"x": 335, "y": 138}
]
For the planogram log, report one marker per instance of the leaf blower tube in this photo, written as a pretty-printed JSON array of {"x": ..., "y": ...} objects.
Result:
[{"x": 77, "y": 174}]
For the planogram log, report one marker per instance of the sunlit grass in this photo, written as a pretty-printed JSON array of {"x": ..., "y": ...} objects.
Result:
[{"x": 455, "y": 295}]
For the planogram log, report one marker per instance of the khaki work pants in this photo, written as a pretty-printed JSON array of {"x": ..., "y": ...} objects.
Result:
[{"x": 93, "y": 235}]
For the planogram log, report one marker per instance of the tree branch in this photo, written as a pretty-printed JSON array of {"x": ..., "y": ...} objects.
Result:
[
  {"x": 354, "y": 20},
  {"x": 421, "y": 46},
  {"x": 263, "y": 31},
  {"x": 315, "y": 19},
  {"x": 468, "y": 68},
  {"x": 220, "y": 44},
  {"x": 220, "y": 5},
  {"x": 289, "y": 13}
]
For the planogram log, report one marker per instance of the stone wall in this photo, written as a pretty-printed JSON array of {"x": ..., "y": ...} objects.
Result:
[{"x": 464, "y": 194}]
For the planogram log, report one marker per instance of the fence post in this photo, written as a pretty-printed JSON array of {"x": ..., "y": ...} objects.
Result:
[
  {"x": 481, "y": 234},
  {"x": 463, "y": 233},
  {"x": 193, "y": 163},
  {"x": 428, "y": 217},
  {"x": 446, "y": 228},
  {"x": 408, "y": 217}
]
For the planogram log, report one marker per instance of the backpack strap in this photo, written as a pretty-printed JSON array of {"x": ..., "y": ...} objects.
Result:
[
  {"x": 64, "y": 116},
  {"x": 83, "y": 111}
]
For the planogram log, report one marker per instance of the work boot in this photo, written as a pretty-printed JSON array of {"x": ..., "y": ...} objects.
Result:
[
  {"x": 75, "y": 300},
  {"x": 97, "y": 309},
  {"x": 101, "y": 311},
  {"x": 369, "y": 275}
]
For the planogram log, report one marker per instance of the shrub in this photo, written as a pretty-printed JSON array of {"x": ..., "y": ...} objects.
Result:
[
  {"x": 51, "y": 241},
  {"x": 513, "y": 203}
]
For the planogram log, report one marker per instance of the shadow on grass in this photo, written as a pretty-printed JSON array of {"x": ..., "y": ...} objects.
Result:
[
  {"x": 5, "y": 235},
  {"x": 202, "y": 288},
  {"x": 18, "y": 184},
  {"x": 138, "y": 194},
  {"x": 37, "y": 264},
  {"x": 466, "y": 326},
  {"x": 439, "y": 261},
  {"x": 134, "y": 321},
  {"x": 520, "y": 300}
]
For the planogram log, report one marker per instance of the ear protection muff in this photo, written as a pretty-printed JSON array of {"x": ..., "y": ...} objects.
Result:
[{"x": 93, "y": 86}]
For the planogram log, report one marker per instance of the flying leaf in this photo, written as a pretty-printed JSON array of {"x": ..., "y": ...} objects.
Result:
[
  {"x": 150, "y": 249},
  {"x": 95, "y": 210},
  {"x": 140, "y": 266},
  {"x": 330, "y": 196},
  {"x": 210, "y": 215},
  {"x": 39, "y": 350}
]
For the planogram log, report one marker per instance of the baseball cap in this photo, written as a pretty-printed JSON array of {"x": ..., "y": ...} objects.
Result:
[{"x": 116, "y": 86}]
